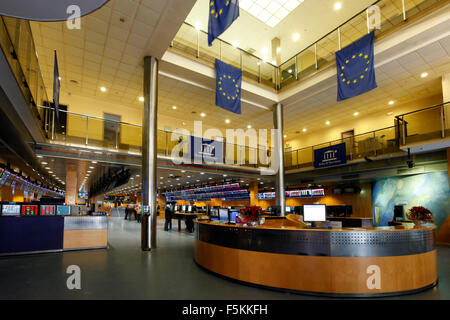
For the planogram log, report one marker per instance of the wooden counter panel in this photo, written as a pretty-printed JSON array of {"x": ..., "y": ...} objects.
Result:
[
  {"x": 334, "y": 275},
  {"x": 79, "y": 239}
]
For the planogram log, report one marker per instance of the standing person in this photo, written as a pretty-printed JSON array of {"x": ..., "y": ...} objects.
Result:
[
  {"x": 127, "y": 211},
  {"x": 168, "y": 217},
  {"x": 138, "y": 213}
]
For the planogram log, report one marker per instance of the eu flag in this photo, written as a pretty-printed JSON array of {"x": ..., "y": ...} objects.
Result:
[
  {"x": 355, "y": 68},
  {"x": 228, "y": 87},
  {"x": 56, "y": 86},
  {"x": 222, "y": 13}
]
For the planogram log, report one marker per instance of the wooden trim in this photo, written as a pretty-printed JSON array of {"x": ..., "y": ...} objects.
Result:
[
  {"x": 333, "y": 275},
  {"x": 77, "y": 239}
]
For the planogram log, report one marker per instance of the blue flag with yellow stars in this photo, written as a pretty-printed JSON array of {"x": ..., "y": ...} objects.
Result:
[
  {"x": 56, "y": 87},
  {"x": 222, "y": 14},
  {"x": 228, "y": 87},
  {"x": 355, "y": 68}
]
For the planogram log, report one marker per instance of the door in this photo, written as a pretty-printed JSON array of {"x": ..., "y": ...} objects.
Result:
[{"x": 348, "y": 138}]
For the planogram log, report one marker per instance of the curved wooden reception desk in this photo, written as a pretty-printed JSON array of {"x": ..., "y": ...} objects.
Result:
[{"x": 365, "y": 262}]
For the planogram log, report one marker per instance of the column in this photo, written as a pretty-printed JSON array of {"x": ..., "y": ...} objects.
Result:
[
  {"x": 446, "y": 98},
  {"x": 71, "y": 184},
  {"x": 254, "y": 193},
  {"x": 149, "y": 150},
  {"x": 279, "y": 149}
]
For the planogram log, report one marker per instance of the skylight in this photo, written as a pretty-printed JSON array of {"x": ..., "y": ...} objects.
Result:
[{"x": 271, "y": 12}]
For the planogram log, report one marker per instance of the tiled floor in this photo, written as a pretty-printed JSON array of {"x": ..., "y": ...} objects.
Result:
[{"x": 125, "y": 272}]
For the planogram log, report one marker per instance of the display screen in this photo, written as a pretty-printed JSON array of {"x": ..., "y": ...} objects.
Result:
[
  {"x": 314, "y": 212},
  {"x": 223, "y": 215},
  {"x": 63, "y": 210},
  {"x": 183, "y": 208},
  {"x": 29, "y": 210},
  {"x": 189, "y": 208},
  {"x": 47, "y": 210},
  {"x": 214, "y": 214},
  {"x": 10, "y": 210},
  {"x": 288, "y": 209},
  {"x": 176, "y": 208},
  {"x": 233, "y": 215}
]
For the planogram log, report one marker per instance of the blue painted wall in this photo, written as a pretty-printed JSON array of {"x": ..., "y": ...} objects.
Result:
[{"x": 430, "y": 190}]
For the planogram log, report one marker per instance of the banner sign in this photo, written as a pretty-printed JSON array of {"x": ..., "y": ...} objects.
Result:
[
  {"x": 330, "y": 156},
  {"x": 205, "y": 150}
]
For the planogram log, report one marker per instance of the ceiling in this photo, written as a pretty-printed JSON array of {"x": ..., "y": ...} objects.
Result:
[{"x": 312, "y": 20}]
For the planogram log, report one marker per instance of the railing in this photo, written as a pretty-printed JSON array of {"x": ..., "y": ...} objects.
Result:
[
  {"x": 17, "y": 43},
  {"x": 194, "y": 43},
  {"x": 370, "y": 144},
  {"x": 426, "y": 124},
  {"x": 75, "y": 129}
]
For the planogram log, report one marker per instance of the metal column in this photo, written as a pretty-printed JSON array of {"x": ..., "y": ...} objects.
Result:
[
  {"x": 149, "y": 150},
  {"x": 279, "y": 149}
]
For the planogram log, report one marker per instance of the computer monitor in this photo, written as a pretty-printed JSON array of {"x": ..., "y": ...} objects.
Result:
[
  {"x": 233, "y": 215},
  {"x": 29, "y": 210},
  {"x": 214, "y": 214},
  {"x": 175, "y": 208},
  {"x": 314, "y": 212},
  {"x": 10, "y": 210},
  {"x": 223, "y": 214},
  {"x": 189, "y": 208},
  {"x": 47, "y": 210},
  {"x": 288, "y": 209},
  {"x": 183, "y": 208},
  {"x": 63, "y": 210},
  {"x": 399, "y": 213}
]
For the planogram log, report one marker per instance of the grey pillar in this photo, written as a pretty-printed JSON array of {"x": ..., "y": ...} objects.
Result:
[
  {"x": 279, "y": 149},
  {"x": 149, "y": 149}
]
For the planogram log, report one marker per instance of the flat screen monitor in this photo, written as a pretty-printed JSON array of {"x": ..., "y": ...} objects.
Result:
[
  {"x": 176, "y": 208},
  {"x": 183, "y": 208},
  {"x": 398, "y": 213},
  {"x": 10, "y": 210},
  {"x": 189, "y": 209},
  {"x": 288, "y": 209},
  {"x": 29, "y": 210},
  {"x": 214, "y": 214},
  {"x": 223, "y": 214},
  {"x": 47, "y": 210},
  {"x": 63, "y": 210},
  {"x": 314, "y": 212},
  {"x": 233, "y": 215}
]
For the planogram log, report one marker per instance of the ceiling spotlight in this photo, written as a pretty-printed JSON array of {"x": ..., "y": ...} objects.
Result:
[
  {"x": 304, "y": 130},
  {"x": 202, "y": 114},
  {"x": 327, "y": 123},
  {"x": 227, "y": 121},
  {"x": 356, "y": 114},
  {"x": 174, "y": 107},
  {"x": 141, "y": 99},
  {"x": 337, "y": 6},
  {"x": 295, "y": 36},
  {"x": 285, "y": 136},
  {"x": 91, "y": 167},
  {"x": 94, "y": 161},
  {"x": 202, "y": 173},
  {"x": 103, "y": 89},
  {"x": 391, "y": 102},
  {"x": 198, "y": 25},
  {"x": 424, "y": 75},
  {"x": 235, "y": 44},
  {"x": 249, "y": 126}
]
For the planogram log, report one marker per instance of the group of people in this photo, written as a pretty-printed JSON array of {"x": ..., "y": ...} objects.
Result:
[
  {"x": 133, "y": 209},
  {"x": 168, "y": 214}
]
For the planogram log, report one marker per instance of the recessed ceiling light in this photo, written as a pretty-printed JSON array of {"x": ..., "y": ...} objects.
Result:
[
  {"x": 235, "y": 44},
  {"x": 304, "y": 130},
  {"x": 224, "y": 175},
  {"x": 202, "y": 173},
  {"x": 91, "y": 167},
  {"x": 174, "y": 107},
  {"x": 94, "y": 161},
  {"x": 337, "y": 6},
  {"x": 141, "y": 99},
  {"x": 424, "y": 75},
  {"x": 391, "y": 102},
  {"x": 103, "y": 89},
  {"x": 295, "y": 36},
  {"x": 249, "y": 126},
  {"x": 202, "y": 114},
  {"x": 285, "y": 136},
  {"x": 198, "y": 25},
  {"x": 327, "y": 123},
  {"x": 48, "y": 168},
  {"x": 356, "y": 113},
  {"x": 278, "y": 50},
  {"x": 227, "y": 121}
]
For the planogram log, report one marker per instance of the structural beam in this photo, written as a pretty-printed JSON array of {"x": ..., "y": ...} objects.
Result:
[
  {"x": 149, "y": 151},
  {"x": 279, "y": 149}
]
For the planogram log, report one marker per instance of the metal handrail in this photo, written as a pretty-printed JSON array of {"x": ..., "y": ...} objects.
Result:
[
  {"x": 420, "y": 110},
  {"x": 352, "y": 137},
  {"x": 336, "y": 29}
]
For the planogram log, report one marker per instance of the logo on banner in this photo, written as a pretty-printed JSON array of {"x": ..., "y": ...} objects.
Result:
[{"x": 330, "y": 156}]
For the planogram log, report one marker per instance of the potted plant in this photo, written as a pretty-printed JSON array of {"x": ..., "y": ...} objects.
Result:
[
  {"x": 420, "y": 215},
  {"x": 251, "y": 216}
]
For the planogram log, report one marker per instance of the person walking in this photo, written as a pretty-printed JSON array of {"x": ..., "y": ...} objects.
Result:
[{"x": 168, "y": 217}]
